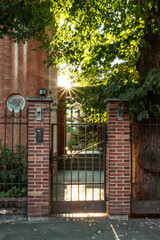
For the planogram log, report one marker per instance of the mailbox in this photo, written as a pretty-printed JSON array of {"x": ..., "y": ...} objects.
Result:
[{"x": 39, "y": 135}]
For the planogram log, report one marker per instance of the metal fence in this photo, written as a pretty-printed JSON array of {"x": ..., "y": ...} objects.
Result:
[
  {"x": 13, "y": 154},
  {"x": 145, "y": 195},
  {"x": 78, "y": 163}
]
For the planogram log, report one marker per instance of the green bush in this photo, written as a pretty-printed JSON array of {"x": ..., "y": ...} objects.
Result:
[
  {"x": 13, "y": 171},
  {"x": 79, "y": 139}
]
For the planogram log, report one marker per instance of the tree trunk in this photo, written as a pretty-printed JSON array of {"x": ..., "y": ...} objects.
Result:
[{"x": 150, "y": 54}]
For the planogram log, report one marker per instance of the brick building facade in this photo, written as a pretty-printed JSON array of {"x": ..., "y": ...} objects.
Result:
[{"x": 23, "y": 72}]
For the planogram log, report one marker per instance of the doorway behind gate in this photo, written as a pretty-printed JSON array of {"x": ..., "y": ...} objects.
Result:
[{"x": 78, "y": 163}]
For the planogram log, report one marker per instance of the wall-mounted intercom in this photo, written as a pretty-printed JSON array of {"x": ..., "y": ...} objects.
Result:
[{"x": 39, "y": 135}]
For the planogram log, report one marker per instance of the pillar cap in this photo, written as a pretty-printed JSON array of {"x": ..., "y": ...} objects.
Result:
[
  {"x": 39, "y": 99},
  {"x": 114, "y": 100}
]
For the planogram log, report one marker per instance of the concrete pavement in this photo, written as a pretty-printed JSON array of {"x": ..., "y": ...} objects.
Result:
[{"x": 80, "y": 229}]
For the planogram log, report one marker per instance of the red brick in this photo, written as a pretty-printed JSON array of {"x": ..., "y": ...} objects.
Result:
[
  {"x": 38, "y": 172},
  {"x": 118, "y": 157}
]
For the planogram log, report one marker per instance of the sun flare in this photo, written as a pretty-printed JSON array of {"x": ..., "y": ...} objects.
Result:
[
  {"x": 64, "y": 81},
  {"x": 66, "y": 85}
]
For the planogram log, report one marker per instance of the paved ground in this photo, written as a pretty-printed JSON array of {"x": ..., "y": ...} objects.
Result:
[
  {"x": 86, "y": 192},
  {"x": 80, "y": 229}
]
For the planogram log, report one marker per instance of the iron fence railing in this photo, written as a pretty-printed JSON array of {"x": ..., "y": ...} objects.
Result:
[
  {"x": 145, "y": 143},
  {"x": 13, "y": 154}
]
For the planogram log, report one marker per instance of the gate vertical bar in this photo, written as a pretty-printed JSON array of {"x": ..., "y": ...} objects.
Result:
[
  {"x": 71, "y": 160},
  {"x": 12, "y": 146},
  {"x": 93, "y": 158},
  {"x": 58, "y": 130},
  {"x": 5, "y": 146},
  {"x": 27, "y": 157},
  {"x": 150, "y": 164},
  {"x": 100, "y": 145},
  {"x": 20, "y": 123},
  {"x": 51, "y": 168},
  {"x": 131, "y": 167},
  {"x": 5, "y": 126},
  {"x": 142, "y": 184},
  {"x": 78, "y": 148},
  {"x": 86, "y": 155},
  {"x": 100, "y": 153},
  {"x": 105, "y": 163},
  {"x": 64, "y": 150},
  {"x": 157, "y": 174}
]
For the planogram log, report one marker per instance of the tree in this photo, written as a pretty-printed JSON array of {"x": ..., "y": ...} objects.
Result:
[
  {"x": 23, "y": 19},
  {"x": 94, "y": 33},
  {"x": 89, "y": 35}
]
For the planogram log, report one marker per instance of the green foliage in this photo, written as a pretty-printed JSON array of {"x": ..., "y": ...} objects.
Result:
[
  {"x": 89, "y": 104},
  {"x": 142, "y": 97},
  {"x": 82, "y": 136},
  {"x": 14, "y": 192},
  {"x": 90, "y": 36},
  {"x": 94, "y": 33},
  {"x": 72, "y": 142},
  {"x": 23, "y": 19},
  {"x": 92, "y": 146},
  {"x": 79, "y": 139},
  {"x": 13, "y": 171}
]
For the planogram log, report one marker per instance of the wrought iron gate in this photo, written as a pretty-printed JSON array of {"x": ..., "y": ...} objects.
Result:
[
  {"x": 145, "y": 197},
  {"x": 78, "y": 164}
]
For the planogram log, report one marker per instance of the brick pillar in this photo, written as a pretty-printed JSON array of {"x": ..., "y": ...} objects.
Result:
[
  {"x": 118, "y": 159},
  {"x": 38, "y": 158}
]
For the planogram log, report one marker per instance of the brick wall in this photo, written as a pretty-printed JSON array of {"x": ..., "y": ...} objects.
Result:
[
  {"x": 118, "y": 160},
  {"x": 22, "y": 70},
  {"x": 38, "y": 160}
]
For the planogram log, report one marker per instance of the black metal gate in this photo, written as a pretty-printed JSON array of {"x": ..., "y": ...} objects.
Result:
[
  {"x": 78, "y": 165},
  {"x": 145, "y": 197}
]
